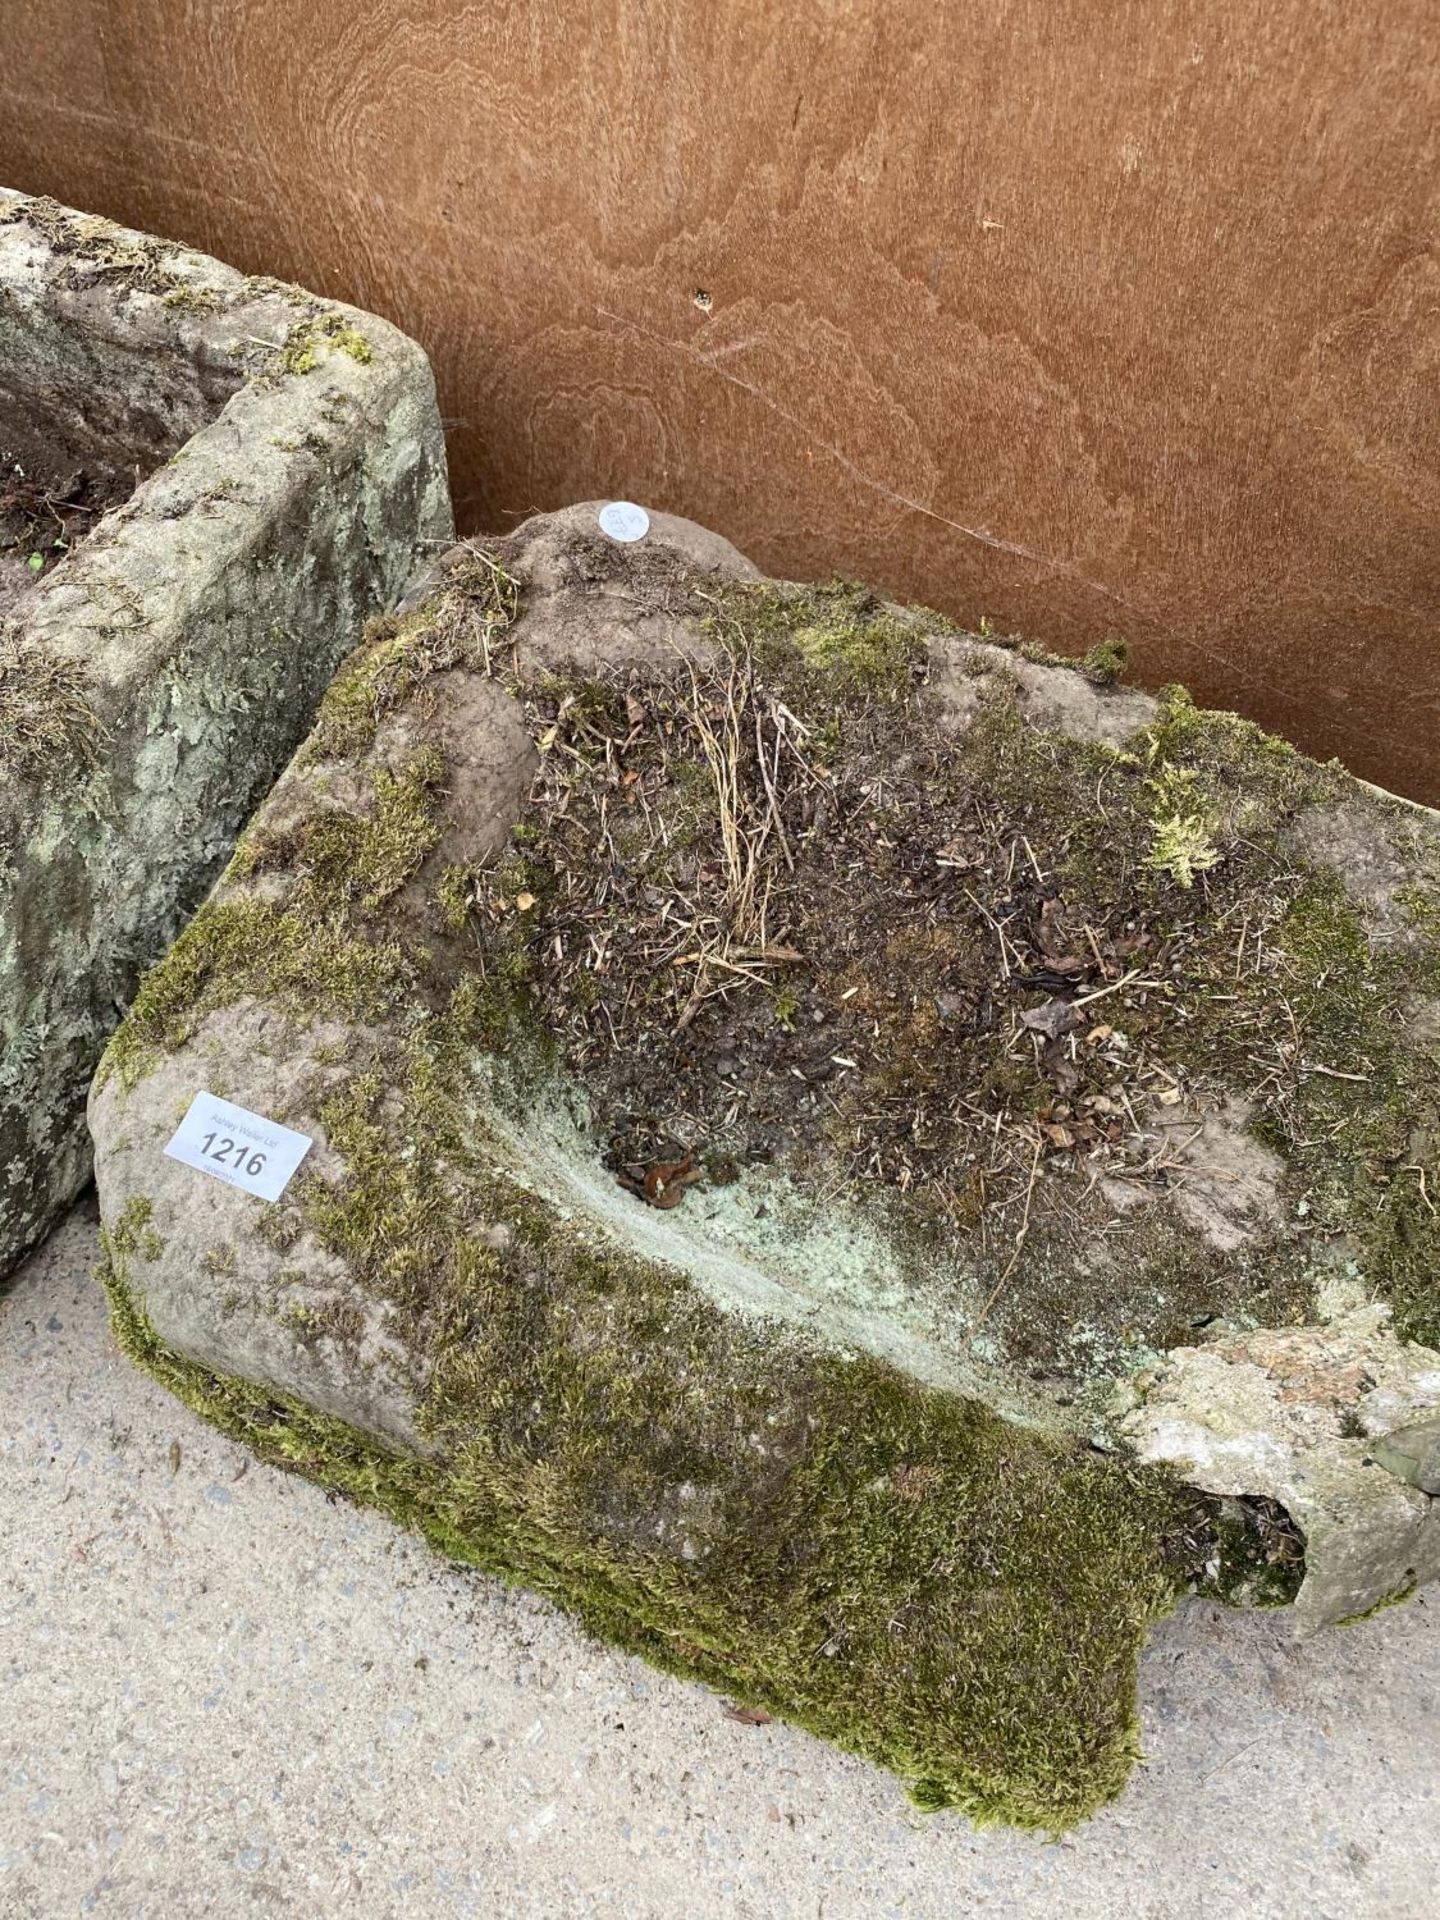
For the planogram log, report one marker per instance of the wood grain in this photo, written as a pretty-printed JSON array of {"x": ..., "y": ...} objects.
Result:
[{"x": 1122, "y": 317}]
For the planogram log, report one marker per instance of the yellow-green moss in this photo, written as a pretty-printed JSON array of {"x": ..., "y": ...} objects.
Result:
[
  {"x": 1363, "y": 1152},
  {"x": 236, "y": 947},
  {"x": 188, "y": 298},
  {"x": 317, "y": 952},
  {"x": 1105, "y": 662},
  {"x": 310, "y": 339},
  {"x": 1183, "y": 847},
  {"x": 131, "y": 1232},
  {"x": 1387, "y": 1600},
  {"x": 463, "y": 623},
  {"x": 836, "y": 636},
  {"x": 341, "y": 859}
]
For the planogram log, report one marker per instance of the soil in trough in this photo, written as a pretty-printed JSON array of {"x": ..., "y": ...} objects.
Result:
[{"x": 53, "y": 493}]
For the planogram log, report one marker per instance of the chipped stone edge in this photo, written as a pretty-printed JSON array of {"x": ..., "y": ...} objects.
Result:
[{"x": 1292, "y": 1415}]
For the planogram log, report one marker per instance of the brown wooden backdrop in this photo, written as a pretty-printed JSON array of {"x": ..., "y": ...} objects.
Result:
[{"x": 1121, "y": 316}]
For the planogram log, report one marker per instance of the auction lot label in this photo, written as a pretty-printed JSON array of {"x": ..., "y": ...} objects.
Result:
[{"x": 241, "y": 1148}]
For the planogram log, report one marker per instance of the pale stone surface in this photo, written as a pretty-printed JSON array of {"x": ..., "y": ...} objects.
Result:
[
  {"x": 223, "y": 1694},
  {"x": 1289, "y": 1414},
  {"x": 296, "y": 479},
  {"x": 254, "y": 1322}
]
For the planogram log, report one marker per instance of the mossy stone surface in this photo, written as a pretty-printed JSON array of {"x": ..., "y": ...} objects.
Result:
[
  {"x": 156, "y": 677},
  {"x": 779, "y": 1098}
]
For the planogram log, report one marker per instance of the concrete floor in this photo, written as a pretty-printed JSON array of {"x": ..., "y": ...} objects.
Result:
[{"x": 222, "y": 1695}]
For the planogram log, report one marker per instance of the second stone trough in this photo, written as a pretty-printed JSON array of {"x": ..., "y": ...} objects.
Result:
[{"x": 207, "y": 485}]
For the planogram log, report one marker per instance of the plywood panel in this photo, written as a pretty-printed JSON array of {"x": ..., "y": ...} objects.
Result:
[{"x": 1121, "y": 317}]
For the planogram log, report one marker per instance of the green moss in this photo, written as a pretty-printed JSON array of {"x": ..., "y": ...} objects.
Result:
[
  {"x": 1105, "y": 662},
  {"x": 1382, "y": 1605},
  {"x": 463, "y": 624},
  {"x": 389, "y": 1218},
  {"x": 309, "y": 340},
  {"x": 890, "y": 1566},
  {"x": 236, "y": 947},
  {"x": 1259, "y": 1558},
  {"x": 132, "y": 1231},
  {"x": 315, "y": 953},
  {"x": 194, "y": 299},
  {"x": 342, "y": 859},
  {"x": 264, "y": 286},
  {"x": 1353, "y": 1104},
  {"x": 453, "y": 896},
  {"x": 837, "y": 636},
  {"x": 786, "y": 1004}
]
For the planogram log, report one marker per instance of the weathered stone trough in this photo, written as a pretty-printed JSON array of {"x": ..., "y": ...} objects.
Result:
[
  {"x": 207, "y": 485},
  {"x": 862, "y": 1160}
]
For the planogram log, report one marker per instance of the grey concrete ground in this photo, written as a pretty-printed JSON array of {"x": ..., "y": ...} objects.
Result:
[{"x": 220, "y": 1694}]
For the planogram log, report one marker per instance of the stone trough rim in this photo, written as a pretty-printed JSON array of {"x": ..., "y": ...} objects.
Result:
[{"x": 150, "y": 525}]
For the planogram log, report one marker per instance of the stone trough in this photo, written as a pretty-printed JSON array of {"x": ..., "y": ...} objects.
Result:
[
  {"x": 207, "y": 485},
  {"x": 863, "y": 1160}
]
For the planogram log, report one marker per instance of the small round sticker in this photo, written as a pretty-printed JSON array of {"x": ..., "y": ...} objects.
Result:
[{"x": 623, "y": 520}]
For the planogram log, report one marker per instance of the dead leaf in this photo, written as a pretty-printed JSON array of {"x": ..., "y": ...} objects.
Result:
[
  {"x": 1054, "y": 940},
  {"x": 1053, "y": 1019},
  {"x": 663, "y": 1182},
  {"x": 1060, "y": 1069},
  {"x": 748, "y": 1716}
]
